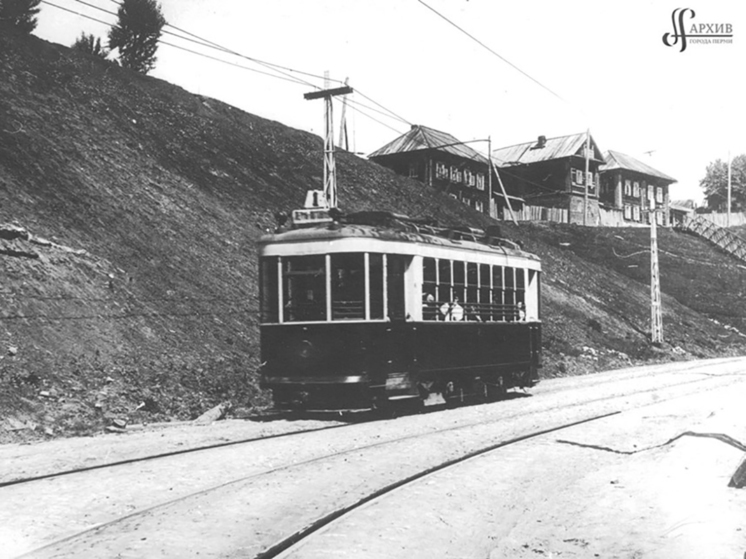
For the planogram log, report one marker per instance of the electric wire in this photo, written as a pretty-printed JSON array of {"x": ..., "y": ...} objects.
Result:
[
  {"x": 194, "y": 38},
  {"x": 480, "y": 43}
]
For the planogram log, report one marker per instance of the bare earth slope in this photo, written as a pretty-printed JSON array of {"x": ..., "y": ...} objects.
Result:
[{"x": 129, "y": 212}]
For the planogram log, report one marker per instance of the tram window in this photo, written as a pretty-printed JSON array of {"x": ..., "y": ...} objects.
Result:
[
  {"x": 429, "y": 289},
  {"x": 444, "y": 282},
  {"x": 395, "y": 286},
  {"x": 520, "y": 286},
  {"x": 376, "y": 286},
  {"x": 509, "y": 294},
  {"x": 484, "y": 292},
  {"x": 459, "y": 280},
  {"x": 304, "y": 288},
  {"x": 472, "y": 291},
  {"x": 348, "y": 286},
  {"x": 497, "y": 293},
  {"x": 269, "y": 289}
]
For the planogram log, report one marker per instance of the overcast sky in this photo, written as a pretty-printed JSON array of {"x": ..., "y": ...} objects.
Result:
[{"x": 599, "y": 65}]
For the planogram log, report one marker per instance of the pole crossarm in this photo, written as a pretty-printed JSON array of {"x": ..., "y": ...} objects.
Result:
[
  {"x": 344, "y": 90},
  {"x": 330, "y": 173}
]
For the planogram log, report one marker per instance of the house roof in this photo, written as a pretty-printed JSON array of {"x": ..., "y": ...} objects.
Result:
[
  {"x": 421, "y": 138},
  {"x": 618, "y": 160},
  {"x": 551, "y": 148}
]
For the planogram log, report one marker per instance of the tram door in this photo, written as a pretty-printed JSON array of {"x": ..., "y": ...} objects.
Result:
[{"x": 400, "y": 334}]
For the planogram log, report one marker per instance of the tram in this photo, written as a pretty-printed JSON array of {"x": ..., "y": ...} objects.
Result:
[{"x": 372, "y": 310}]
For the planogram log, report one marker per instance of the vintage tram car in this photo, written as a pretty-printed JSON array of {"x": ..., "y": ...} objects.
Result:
[{"x": 372, "y": 309}]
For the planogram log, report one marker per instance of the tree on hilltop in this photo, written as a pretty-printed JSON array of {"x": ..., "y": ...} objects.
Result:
[
  {"x": 20, "y": 14},
  {"x": 715, "y": 184},
  {"x": 91, "y": 45},
  {"x": 136, "y": 34}
]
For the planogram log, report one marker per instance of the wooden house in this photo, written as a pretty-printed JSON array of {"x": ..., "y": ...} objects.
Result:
[
  {"x": 440, "y": 160},
  {"x": 628, "y": 184},
  {"x": 550, "y": 172}
]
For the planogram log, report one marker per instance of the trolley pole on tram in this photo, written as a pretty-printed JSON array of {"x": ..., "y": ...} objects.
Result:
[
  {"x": 656, "y": 315},
  {"x": 330, "y": 172}
]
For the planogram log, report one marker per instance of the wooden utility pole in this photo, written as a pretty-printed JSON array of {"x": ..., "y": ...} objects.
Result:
[
  {"x": 505, "y": 194},
  {"x": 344, "y": 140},
  {"x": 330, "y": 174},
  {"x": 489, "y": 178},
  {"x": 656, "y": 316},
  {"x": 587, "y": 157}
]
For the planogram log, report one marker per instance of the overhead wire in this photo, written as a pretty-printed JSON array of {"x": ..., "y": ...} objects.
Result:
[
  {"x": 279, "y": 69},
  {"x": 483, "y": 45}
]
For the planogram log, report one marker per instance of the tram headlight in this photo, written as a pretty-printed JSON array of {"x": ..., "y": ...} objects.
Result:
[{"x": 305, "y": 349}]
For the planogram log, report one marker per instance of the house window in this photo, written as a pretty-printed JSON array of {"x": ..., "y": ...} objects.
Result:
[
  {"x": 627, "y": 187},
  {"x": 480, "y": 181},
  {"x": 636, "y": 189},
  {"x": 577, "y": 176},
  {"x": 627, "y": 211},
  {"x": 478, "y": 205},
  {"x": 455, "y": 174},
  {"x": 413, "y": 170},
  {"x": 659, "y": 195},
  {"x": 441, "y": 172},
  {"x": 469, "y": 178},
  {"x": 467, "y": 201},
  {"x": 636, "y": 213}
]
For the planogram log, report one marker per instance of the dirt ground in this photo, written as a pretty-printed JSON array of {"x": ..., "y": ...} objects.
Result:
[{"x": 623, "y": 486}]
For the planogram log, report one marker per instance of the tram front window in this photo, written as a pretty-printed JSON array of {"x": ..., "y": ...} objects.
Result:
[{"x": 304, "y": 288}]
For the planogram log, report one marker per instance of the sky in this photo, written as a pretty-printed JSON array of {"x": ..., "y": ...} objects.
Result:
[{"x": 512, "y": 72}]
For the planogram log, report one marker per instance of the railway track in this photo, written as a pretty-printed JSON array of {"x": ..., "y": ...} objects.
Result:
[
  {"x": 111, "y": 535},
  {"x": 597, "y": 380},
  {"x": 302, "y": 535},
  {"x": 157, "y": 456}
]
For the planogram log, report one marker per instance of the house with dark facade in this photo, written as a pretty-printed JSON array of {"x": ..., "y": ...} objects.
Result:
[
  {"x": 550, "y": 172},
  {"x": 629, "y": 185},
  {"x": 440, "y": 160}
]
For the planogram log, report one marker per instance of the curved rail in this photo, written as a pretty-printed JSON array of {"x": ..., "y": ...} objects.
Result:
[{"x": 308, "y": 531}]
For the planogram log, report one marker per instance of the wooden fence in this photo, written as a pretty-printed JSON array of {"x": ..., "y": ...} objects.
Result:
[{"x": 721, "y": 219}]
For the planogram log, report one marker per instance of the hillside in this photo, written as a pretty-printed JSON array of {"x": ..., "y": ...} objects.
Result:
[{"x": 129, "y": 215}]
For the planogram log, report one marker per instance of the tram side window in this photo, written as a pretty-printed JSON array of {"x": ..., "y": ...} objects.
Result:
[
  {"x": 269, "y": 290},
  {"x": 348, "y": 286},
  {"x": 429, "y": 289},
  {"x": 395, "y": 286},
  {"x": 484, "y": 293},
  {"x": 459, "y": 281},
  {"x": 376, "y": 286},
  {"x": 498, "y": 309},
  {"x": 520, "y": 287},
  {"x": 444, "y": 282},
  {"x": 509, "y": 294},
  {"x": 304, "y": 288},
  {"x": 472, "y": 292}
]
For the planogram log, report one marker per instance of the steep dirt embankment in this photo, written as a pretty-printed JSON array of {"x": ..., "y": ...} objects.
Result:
[{"x": 142, "y": 303}]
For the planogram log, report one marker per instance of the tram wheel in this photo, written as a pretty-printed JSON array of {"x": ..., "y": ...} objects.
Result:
[{"x": 497, "y": 390}]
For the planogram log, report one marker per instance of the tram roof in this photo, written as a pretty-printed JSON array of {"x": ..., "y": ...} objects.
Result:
[{"x": 460, "y": 238}]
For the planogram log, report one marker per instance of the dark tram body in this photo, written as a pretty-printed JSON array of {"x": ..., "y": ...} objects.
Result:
[{"x": 373, "y": 309}]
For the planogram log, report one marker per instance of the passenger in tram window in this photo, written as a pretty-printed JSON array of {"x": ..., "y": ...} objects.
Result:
[
  {"x": 521, "y": 312},
  {"x": 452, "y": 311},
  {"x": 473, "y": 314},
  {"x": 429, "y": 311}
]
